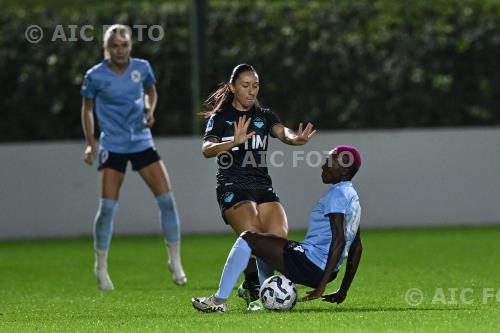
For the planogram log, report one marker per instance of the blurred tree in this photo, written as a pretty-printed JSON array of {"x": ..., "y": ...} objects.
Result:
[{"x": 340, "y": 64}]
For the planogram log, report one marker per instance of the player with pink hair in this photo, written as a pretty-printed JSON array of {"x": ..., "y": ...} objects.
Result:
[{"x": 333, "y": 235}]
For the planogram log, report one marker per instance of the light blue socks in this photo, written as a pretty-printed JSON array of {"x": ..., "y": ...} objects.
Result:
[
  {"x": 265, "y": 271},
  {"x": 169, "y": 218},
  {"x": 103, "y": 224},
  {"x": 235, "y": 265}
]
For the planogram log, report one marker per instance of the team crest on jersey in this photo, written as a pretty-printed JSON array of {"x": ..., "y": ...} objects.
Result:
[
  {"x": 136, "y": 75},
  {"x": 210, "y": 124},
  {"x": 228, "y": 197},
  {"x": 258, "y": 122},
  {"x": 103, "y": 156}
]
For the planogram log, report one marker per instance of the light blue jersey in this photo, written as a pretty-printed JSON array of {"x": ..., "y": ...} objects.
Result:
[
  {"x": 119, "y": 105},
  {"x": 340, "y": 198}
]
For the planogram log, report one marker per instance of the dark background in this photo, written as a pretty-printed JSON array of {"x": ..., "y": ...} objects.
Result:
[{"x": 339, "y": 64}]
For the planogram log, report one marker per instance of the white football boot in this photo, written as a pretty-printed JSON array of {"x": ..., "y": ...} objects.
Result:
[
  {"x": 101, "y": 270},
  {"x": 178, "y": 275},
  {"x": 174, "y": 264},
  {"x": 207, "y": 304},
  {"x": 103, "y": 280}
]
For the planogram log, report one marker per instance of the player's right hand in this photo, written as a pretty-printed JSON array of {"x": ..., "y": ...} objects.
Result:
[
  {"x": 337, "y": 297},
  {"x": 240, "y": 130},
  {"x": 90, "y": 154}
]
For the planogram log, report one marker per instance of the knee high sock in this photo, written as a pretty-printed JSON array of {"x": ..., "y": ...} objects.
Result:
[
  {"x": 103, "y": 224},
  {"x": 236, "y": 262},
  {"x": 265, "y": 271},
  {"x": 169, "y": 219}
]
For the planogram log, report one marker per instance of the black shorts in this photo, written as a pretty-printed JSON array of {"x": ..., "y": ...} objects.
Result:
[
  {"x": 118, "y": 162},
  {"x": 299, "y": 268},
  {"x": 228, "y": 198}
]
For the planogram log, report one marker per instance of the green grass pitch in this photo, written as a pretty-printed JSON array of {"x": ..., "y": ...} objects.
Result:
[{"x": 49, "y": 286}]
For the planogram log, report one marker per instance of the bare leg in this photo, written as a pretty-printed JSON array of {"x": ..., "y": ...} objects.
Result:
[
  {"x": 267, "y": 247},
  {"x": 111, "y": 182},
  {"x": 156, "y": 177},
  {"x": 251, "y": 267},
  {"x": 243, "y": 216},
  {"x": 273, "y": 219}
]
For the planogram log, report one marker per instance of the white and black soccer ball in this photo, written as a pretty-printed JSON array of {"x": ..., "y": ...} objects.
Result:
[{"x": 278, "y": 293}]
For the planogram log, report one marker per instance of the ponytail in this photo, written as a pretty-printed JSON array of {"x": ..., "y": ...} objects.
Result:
[{"x": 218, "y": 99}]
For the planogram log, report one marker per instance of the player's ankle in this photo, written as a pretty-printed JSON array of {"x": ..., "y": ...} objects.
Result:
[
  {"x": 219, "y": 301},
  {"x": 101, "y": 259}
]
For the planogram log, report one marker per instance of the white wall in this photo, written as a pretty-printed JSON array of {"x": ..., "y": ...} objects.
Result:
[{"x": 409, "y": 178}]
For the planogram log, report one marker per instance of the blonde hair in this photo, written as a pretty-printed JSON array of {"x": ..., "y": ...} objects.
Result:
[{"x": 115, "y": 29}]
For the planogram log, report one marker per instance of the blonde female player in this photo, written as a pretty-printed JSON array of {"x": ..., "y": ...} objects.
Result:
[{"x": 116, "y": 89}]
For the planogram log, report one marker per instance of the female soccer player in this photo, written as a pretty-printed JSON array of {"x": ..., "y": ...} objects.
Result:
[
  {"x": 118, "y": 87},
  {"x": 333, "y": 234},
  {"x": 237, "y": 134}
]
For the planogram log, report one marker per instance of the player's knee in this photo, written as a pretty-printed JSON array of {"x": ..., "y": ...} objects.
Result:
[
  {"x": 106, "y": 210},
  {"x": 165, "y": 201}
]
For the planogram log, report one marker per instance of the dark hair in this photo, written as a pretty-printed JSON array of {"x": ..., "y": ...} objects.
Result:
[
  {"x": 223, "y": 96},
  {"x": 352, "y": 171}
]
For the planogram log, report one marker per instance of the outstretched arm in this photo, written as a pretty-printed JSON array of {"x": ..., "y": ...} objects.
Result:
[
  {"x": 334, "y": 254},
  {"x": 353, "y": 259},
  {"x": 286, "y": 135}
]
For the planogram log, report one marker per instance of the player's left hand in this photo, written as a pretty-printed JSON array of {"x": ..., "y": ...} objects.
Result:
[
  {"x": 304, "y": 135},
  {"x": 337, "y": 297},
  {"x": 150, "y": 119},
  {"x": 312, "y": 294}
]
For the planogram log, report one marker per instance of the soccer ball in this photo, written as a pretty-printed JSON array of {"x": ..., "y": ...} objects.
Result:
[{"x": 278, "y": 293}]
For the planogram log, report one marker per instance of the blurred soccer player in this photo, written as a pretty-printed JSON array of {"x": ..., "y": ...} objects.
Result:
[
  {"x": 118, "y": 87},
  {"x": 333, "y": 234},
  {"x": 237, "y": 134}
]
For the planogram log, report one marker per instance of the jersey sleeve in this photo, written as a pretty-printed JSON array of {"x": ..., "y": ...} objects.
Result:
[
  {"x": 214, "y": 127},
  {"x": 88, "y": 87},
  {"x": 149, "y": 78},
  {"x": 335, "y": 202},
  {"x": 272, "y": 119}
]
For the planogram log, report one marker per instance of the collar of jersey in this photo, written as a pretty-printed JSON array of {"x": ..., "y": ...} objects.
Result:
[
  {"x": 105, "y": 63},
  {"x": 233, "y": 109},
  {"x": 342, "y": 183}
]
